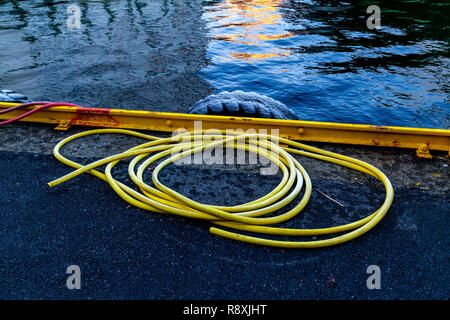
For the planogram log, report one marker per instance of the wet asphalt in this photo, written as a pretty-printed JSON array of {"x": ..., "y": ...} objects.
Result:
[{"x": 127, "y": 253}]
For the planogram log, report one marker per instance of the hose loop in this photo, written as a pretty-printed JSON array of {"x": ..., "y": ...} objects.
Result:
[{"x": 258, "y": 216}]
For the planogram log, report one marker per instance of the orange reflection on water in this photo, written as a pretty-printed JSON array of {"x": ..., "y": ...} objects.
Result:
[
  {"x": 250, "y": 22},
  {"x": 258, "y": 56},
  {"x": 257, "y": 37}
]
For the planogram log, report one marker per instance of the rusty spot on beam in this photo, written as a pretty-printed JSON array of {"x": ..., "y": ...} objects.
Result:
[{"x": 379, "y": 127}]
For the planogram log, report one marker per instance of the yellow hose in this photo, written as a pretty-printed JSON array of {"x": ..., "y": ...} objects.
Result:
[{"x": 245, "y": 217}]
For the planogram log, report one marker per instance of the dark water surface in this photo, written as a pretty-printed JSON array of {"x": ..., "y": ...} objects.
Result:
[{"x": 317, "y": 57}]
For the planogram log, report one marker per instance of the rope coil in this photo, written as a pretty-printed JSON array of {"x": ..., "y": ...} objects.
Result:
[{"x": 249, "y": 217}]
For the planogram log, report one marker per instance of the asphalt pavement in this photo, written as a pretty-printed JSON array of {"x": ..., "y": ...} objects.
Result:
[{"x": 127, "y": 253}]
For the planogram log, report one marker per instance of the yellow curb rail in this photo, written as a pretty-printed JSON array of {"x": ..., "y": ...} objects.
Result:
[{"x": 421, "y": 139}]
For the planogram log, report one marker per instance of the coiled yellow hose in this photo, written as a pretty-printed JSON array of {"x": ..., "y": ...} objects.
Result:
[{"x": 246, "y": 217}]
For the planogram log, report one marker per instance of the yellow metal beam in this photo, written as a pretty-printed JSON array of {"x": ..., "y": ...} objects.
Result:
[{"x": 420, "y": 139}]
